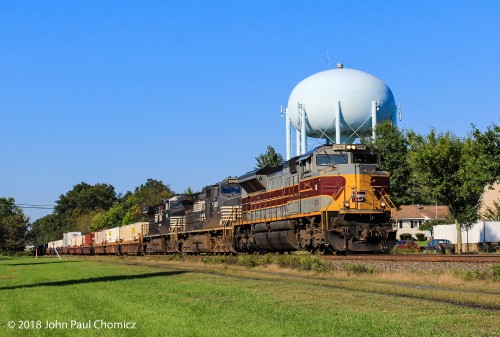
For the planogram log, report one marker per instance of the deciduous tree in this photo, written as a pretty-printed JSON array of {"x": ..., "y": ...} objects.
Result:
[
  {"x": 392, "y": 145},
  {"x": 453, "y": 171},
  {"x": 13, "y": 226}
]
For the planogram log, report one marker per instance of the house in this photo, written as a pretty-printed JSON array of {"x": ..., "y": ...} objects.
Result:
[
  {"x": 490, "y": 196},
  {"x": 411, "y": 217}
]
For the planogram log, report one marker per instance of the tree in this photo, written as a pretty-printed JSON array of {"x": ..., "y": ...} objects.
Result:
[
  {"x": 269, "y": 158},
  {"x": 129, "y": 208},
  {"x": 13, "y": 226},
  {"x": 153, "y": 192},
  {"x": 392, "y": 145},
  {"x": 84, "y": 198},
  {"x": 74, "y": 211},
  {"x": 453, "y": 171},
  {"x": 47, "y": 228}
]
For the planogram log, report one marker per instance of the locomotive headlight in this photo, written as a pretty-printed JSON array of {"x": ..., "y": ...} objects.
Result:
[
  {"x": 346, "y": 204},
  {"x": 382, "y": 204}
]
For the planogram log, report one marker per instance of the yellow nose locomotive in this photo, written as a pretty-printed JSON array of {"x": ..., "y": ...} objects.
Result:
[{"x": 334, "y": 198}]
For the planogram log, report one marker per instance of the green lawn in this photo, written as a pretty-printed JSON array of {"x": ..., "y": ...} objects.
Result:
[{"x": 177, "y": 298}]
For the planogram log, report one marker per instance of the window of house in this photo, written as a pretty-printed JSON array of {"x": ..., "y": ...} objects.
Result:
[
  {"x": 415, "y": 224},
  {"x": 400, "y": 223}
]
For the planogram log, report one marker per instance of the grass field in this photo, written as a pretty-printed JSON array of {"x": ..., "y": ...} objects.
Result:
[{"x": 151, "y": 296}]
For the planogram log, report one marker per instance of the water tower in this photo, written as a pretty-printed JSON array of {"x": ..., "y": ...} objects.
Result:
[{"x": 337, "y": 105}]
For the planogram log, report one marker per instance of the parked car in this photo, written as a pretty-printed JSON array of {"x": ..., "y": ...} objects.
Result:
[
  {"x": 407, "y": 244},
  {"x": 440, "y": 245}
]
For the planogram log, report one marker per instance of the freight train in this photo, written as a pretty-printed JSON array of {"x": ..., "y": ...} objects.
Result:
[{"x": 333, "y": 199}]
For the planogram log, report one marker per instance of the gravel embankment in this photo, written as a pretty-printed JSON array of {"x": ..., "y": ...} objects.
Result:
[{"x": 421, "y": 266}]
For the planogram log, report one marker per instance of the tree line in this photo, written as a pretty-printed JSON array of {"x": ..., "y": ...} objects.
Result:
[
  {"x": 441, "y": 168},
  {"x": 424, "y": 169}
]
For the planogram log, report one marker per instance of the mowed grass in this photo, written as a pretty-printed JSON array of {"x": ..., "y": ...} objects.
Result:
[{"x": 186, "y": 298}]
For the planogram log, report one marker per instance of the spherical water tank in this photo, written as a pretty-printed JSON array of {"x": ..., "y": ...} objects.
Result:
[{"x": 319, "y": 94}]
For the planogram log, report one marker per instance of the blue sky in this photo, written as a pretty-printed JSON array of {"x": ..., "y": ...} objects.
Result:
[{"x": 189, "y": 92}]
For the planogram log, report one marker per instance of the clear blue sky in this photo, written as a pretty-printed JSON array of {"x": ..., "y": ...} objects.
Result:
[{"x": 188, "y": 92}]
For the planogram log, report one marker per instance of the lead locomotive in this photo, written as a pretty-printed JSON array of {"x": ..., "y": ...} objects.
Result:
[{"x": 332, "y": 199}]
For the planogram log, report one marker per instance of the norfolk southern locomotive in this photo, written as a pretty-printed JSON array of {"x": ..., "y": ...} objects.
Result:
[{"x": 332, "y": 199}]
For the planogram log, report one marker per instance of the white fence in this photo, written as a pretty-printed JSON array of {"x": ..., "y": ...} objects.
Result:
[{"x": 481, "y": 232}]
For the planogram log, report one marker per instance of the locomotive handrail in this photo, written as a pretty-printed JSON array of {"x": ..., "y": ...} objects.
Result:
[{"x": 333, "y": 198}]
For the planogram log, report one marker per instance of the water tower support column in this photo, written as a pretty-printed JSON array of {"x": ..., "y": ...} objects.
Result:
[
  {"x": 303, "y": 135},
  {"x": 374, "y": 117},
  {"x": 297, "y": 141},
  {"x": 288, "y": 136},
  {"x": 337, "y": 123}
]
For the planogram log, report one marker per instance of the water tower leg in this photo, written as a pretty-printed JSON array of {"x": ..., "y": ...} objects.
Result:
[
  {"x": 303, "y": 145},
  {"x": 337, "y": 123},
  {"x": 297, "y": 141},
  {"x": 374, "y": 117},
  {"x": 288, "y": 137}
]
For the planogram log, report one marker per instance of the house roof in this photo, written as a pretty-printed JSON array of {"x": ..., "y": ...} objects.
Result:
[{"x": 422, "y": 212}]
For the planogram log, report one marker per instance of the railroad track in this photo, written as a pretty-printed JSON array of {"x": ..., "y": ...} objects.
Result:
[{"x": 473, "y": 258}]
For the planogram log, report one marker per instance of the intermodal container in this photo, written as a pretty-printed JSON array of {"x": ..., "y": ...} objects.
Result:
[
  {"x": 89, "y": 238},
  {"x": 113, "y": 234},
  {"x": 132, "y": 232},
  {"x": 79, "y": 240},
  {"x": 68, "y": 236},
  {"x": 100, "y": 237}
]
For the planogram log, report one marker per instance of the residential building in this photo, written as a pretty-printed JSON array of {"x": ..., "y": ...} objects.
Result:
[{"x": 411, "y": 217}]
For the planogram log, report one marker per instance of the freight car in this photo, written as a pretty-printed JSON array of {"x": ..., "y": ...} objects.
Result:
[{"x": 333, "y": 199}]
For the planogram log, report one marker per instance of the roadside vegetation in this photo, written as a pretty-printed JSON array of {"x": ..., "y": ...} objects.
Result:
[{"x": 314, "y": 263}]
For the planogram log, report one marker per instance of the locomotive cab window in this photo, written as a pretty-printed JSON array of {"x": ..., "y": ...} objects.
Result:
[
  {"x": 364, "y": 158},
  {"x": 230, "y": 191},
  {"x": 331, "y": 159},
  {"x": 306, "y": 166}
]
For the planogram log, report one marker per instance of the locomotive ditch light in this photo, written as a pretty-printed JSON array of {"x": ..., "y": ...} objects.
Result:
[
  {"x": 382, "y": 204},
  {"x": 347, "y": 204}
]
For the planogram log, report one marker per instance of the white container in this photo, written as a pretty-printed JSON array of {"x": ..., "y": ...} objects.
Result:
[
  {"x": 80, "y": 240},
  {"x": 113, "y": 234},
  {"x": 67, "y": 237},
  {"x": 131, "y": 232},
  {"x": 100, "y": 237}
]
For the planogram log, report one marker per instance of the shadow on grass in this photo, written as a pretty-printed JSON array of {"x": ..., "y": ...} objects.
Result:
[
  {"x": 35, "y": 263},
  {"x": 94, "y": 280}
]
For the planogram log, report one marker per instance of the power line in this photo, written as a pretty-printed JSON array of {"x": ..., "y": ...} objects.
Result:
[{"x": 34, "y": 206}]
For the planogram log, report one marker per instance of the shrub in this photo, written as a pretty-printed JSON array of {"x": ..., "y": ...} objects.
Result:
[
  {"x": 288, "y": 261},
  {"x": 400, "y": 250},
  {"x": 471, "y": 275},
  {"x": 496, "y": 271},
  {"x": 357, "y": 268},
  {"x": 248, "y": 260},
  {"x": 175, "y": 257},
  {"x": 405, "y": 236},
  {"x": 420, "y": 236}
]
